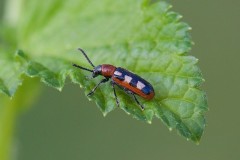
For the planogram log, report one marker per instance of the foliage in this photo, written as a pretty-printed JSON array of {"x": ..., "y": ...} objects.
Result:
[{"x": 144, "y": 37}]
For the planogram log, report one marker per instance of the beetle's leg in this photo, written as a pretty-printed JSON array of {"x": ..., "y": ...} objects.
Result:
[
  {"x": 114, "y": 91},
  {"x": 93, "y": 90},
  {"x": 135, "y": 98}
]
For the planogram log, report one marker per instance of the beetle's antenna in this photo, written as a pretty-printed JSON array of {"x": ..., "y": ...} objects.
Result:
[
  {"x": 86, "y": 69},
  {"x": 85, "y": 55}
]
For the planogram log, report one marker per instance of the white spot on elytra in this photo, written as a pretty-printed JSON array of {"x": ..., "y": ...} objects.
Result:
[
  {"x": 117, "y": 73},
  {"x": 127, "y": 79},
  {"x": 140, "y": 85}
]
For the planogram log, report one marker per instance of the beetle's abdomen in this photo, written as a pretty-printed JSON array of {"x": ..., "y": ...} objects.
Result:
[{"x": 133, "y": 83}]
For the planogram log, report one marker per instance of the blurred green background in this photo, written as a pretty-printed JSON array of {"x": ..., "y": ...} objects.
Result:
[{"x": 65, "y": 125}]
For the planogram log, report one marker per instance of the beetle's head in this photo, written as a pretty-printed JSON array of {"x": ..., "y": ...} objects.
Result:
[{"x": 97, "y": 71}]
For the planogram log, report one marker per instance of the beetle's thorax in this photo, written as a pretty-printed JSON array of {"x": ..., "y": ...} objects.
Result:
[{"x": 108, "y": 70}]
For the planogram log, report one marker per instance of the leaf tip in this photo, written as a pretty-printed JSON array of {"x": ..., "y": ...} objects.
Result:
[
  {"x": 104, "y": 113},
  {"x": 149, "y": 122},
  {"x": 89, "y": 98},
  {"x": 59, "y": 88}
]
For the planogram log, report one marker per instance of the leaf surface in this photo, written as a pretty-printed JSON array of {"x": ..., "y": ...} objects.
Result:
[{"x": 141, "y": 36}]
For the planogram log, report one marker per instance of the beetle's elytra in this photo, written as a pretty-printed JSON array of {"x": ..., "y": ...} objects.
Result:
[{"x": 131, "y": 83}]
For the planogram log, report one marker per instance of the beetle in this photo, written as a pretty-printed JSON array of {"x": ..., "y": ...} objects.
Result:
[{"x": 131, "y": 83}]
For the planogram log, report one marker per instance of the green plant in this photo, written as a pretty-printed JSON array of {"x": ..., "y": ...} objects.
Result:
[{"x": 142, "y": 36}]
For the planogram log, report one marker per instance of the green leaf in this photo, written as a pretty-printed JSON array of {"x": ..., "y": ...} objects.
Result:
[
  {"x": 10, "y": 72},
  {"x": 141, "y": 36}
]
